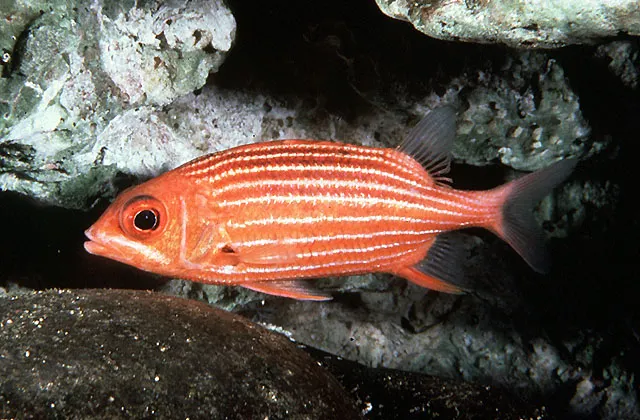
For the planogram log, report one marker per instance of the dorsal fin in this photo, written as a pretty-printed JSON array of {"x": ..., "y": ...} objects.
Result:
[{"x": 431, "y": 140}]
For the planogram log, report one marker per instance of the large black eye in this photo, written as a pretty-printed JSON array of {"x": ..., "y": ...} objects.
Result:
[{"x": 146, "y": 220}]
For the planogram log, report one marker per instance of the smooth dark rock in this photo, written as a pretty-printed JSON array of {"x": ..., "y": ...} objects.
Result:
[
  {"x": 391, "y": 394},
  {"x": 117, "y": 353}
]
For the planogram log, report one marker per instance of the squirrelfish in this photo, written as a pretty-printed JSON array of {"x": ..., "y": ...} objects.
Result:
[{"x": 265, "y": 216}]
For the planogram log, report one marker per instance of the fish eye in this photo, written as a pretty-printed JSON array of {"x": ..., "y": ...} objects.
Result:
[
  {"x": 143, "y": 217},
  {"x": 146, "y": 219}
]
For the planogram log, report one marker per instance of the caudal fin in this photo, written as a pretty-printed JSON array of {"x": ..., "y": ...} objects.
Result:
[{"x": 517, "y": 226}]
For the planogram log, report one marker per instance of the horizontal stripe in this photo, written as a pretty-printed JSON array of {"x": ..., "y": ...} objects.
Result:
[
  {"x": 330, "y": 267},
  {"x": 324, "y": 219},
  {"x": 280, "y": 150},
  {"x": 368, "y": 201},
  {"x": 354, "y": 250},
  {"x": 336, "y": 237},
  {"x": 320, "y": 170},
  {"x": 427, "y": 195},
  {"x": 246, "y": 159},
  {"x": 335, "y": 153},
  {"x": 317, "y": 184}
]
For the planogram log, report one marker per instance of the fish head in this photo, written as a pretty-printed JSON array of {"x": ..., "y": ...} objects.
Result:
[{"x": 142, "y": 227}]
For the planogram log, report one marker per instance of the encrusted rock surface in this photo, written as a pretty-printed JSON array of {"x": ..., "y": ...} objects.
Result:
[
  {"x": 531, "y": 24},
  {"x": 75, "y": 72}
]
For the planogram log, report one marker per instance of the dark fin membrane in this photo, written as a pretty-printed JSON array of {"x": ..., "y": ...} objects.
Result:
[
  {"x": 431, "y": 140},
  {"x": 519, "y": 228},
  {"x": 295, "y": 289},
  {"x": 442, "y": 268}
]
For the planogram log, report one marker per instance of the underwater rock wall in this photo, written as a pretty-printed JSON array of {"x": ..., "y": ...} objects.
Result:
[
  {"x": 81, "y": 80},
  {"x": 545, "y": 24},
  {"x": 94, "y": 99}
]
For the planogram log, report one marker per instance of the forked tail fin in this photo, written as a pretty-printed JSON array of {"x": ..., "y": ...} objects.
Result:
[{"x": 517, "y": 225}]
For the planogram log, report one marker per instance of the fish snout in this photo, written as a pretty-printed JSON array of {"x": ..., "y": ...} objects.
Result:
[
  {"x": 92, "y": 246},
  {"x": 89, "y": 233}
]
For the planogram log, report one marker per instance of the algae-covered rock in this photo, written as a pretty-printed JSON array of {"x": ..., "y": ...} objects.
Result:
[
  {"x": 624, "y": 59},
  {"x": 516, "y": 23},
  {"x": 526, "y": 114},
  {"x": 74, "y": 71},
  {"x": 163, "y": 50}
]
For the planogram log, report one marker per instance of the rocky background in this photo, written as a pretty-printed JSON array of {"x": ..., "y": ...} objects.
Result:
[{"x": 96, "y": 97}]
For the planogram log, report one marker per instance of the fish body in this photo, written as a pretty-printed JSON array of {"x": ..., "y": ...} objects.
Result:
[{"x": 264, "y": 215}]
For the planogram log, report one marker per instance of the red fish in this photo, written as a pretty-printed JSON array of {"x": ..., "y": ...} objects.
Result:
[{"x": 266, "y": 215}]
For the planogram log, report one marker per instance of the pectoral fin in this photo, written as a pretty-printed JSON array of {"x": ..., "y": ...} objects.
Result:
[
  {"x": 295, "y": 289},
  {"x": 204, "y": 244},
  {"x": 212, "y": 245},
  {"x": 208, "y": 250}
]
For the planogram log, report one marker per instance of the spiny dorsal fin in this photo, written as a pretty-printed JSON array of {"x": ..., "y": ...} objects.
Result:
[{"x": 431, "y": 140}]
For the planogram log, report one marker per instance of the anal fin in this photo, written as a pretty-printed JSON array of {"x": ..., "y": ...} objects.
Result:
[
  {"x": 425, "y": 280},
  {"x": 441, "y": 269},
  {"x": 295, "y": 289}
]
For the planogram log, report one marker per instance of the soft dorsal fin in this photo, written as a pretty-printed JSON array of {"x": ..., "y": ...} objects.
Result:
[{"x": 431, "y": 140}]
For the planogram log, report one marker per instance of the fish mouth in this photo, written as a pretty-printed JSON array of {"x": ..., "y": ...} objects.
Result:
[
  {"x": 92, "y": 246},
  {"x": 95, "y": 246},
  {"x": 98, "y": 245}
]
